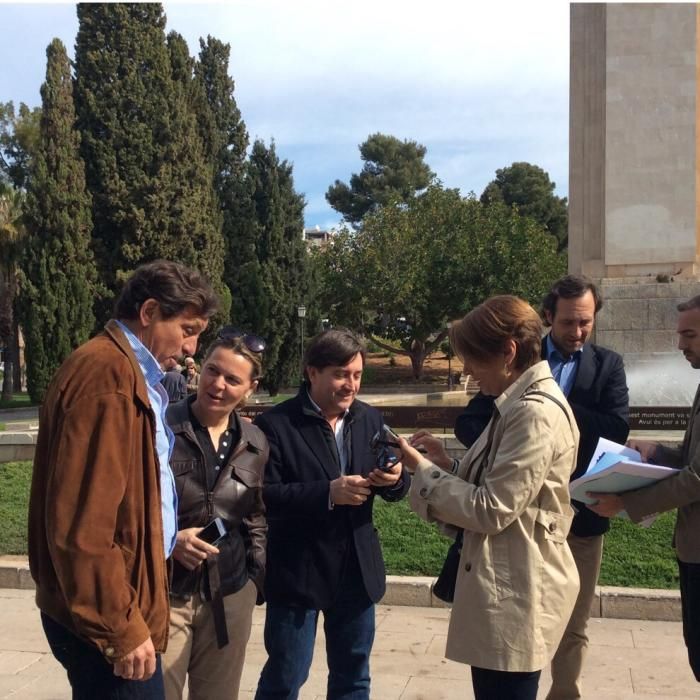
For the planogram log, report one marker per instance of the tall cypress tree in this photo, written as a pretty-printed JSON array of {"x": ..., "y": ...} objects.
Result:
[
  {"x": 195, "y": 218},
  {"x": 226, "y": 140},
  {"x": 58, "y": 270},
  {"x": 123, "y": 96},
  {"x": 269, "y": 299}
]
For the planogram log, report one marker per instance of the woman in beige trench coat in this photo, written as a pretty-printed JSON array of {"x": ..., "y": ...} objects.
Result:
[{"x": 517, "y": 581}]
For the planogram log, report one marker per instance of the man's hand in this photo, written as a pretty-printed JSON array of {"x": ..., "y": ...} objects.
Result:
[
  {"x": 189, "y": 550},
  {"x": 434, "y": 448},
  {"x": 646, "y": 448},
  {"x": 352, "y": 490},
  {"x": 380, "y": 479},
  {"x": 608, "y": 504},
  {"x": 139, "y": 664}
]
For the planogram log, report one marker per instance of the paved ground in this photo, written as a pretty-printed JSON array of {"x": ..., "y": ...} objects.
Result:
[{"x": 628, "y": 659}]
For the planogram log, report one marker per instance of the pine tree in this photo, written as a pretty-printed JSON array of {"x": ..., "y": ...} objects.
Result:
[
  {"x": 123, "y": 97},
  {"x": 269, "y": 300},
  {"x": 58, "y": 280}
]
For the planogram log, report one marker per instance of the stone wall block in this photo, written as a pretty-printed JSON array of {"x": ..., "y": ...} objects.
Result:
[
  {"x": 659, "y": 341},
  {"x": 630, "y": 314},
  {"x": 662, "y": 314},
  {"x": 633, "y": 341},
  {"x": 669, "y": 290},
  {"x": 613, "y": 340}
]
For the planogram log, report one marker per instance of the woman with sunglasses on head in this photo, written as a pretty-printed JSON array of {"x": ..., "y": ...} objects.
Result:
[
  {"x": 218, "y": 461},
  {"x": 516, "y": 582}
]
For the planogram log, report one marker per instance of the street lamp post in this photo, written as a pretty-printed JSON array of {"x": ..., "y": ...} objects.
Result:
[
  {"x": 301, "y": 312},
  {"x": 449, "y": 358}
]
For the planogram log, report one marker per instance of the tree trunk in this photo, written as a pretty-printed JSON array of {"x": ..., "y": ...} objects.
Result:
[
  {"x": 8, "y": 373},
  {"x": 17, "y": 365},
  {"x": 417, "y": 354}
]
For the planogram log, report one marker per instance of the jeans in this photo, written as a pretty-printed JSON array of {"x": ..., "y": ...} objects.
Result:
[
  {"x": 290, "y": 634},
  {"x": 90, "y": 675},
  {"x": 504, "y": 685},
  {"x": 690, "y": 604}
]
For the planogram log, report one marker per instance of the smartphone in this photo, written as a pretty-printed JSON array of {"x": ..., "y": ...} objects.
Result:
[
  {"x": 214, "y": 532},
  {"x": 390, "y": 436}
]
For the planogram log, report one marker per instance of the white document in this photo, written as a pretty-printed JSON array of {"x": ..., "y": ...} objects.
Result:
[{"x": 615, "y": 468}]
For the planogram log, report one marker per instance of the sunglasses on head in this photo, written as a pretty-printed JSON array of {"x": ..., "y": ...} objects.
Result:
[{"x": 254, "y": 343}]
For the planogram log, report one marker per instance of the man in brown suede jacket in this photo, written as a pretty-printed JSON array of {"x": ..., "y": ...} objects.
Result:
[{"x": 102, "y": 506}]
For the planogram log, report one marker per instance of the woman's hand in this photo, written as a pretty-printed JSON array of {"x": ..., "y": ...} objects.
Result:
[
  {"x": 189, "y": 550},
  {"x": 434, "y": 448},
  {"x": 409, "y": 455},
  {"x": 381, "y": 479}
]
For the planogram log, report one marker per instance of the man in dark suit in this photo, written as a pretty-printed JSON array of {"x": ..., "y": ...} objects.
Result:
[
  {"x": 593, "y": 380},
  {"x": 323, "y": 553}
]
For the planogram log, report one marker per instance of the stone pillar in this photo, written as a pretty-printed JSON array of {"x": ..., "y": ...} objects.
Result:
[{"x": 634, "y": 211}]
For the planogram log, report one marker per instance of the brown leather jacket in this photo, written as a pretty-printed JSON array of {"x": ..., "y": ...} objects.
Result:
[
  {"x": 236, "y": 498},
  {"x": 95, "y": 522}
]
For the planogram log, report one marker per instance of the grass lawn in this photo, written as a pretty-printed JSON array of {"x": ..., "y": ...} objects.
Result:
[
  {"x": 633, "y": 556},
  {"x": 17, "y": 401},
  {"x": 15, "y": 478}
]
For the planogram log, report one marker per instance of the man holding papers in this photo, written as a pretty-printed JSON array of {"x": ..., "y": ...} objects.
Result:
[{"x": 680, "y": 491}]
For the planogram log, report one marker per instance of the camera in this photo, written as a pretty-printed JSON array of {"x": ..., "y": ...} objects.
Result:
[{"x": 382, "y": 444}]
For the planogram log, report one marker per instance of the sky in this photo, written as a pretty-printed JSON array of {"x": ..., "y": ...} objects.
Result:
[{"x": 480, "y": 84}]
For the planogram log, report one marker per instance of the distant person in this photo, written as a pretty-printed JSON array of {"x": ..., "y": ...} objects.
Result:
[
  {"x": 191, "y": 375},
  {"x": 681, "y": 491},
  {"x": 517, "y": 581},
  {"x": 102, "y": 518},
  {"x": 593, "y": 380},
  {"x": 323, "y": 551},
  {"x": 174, "y": 382},
  {"x": 219, "y": 462}
]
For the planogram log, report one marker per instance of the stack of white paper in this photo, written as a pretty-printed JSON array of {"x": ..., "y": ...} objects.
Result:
[{"x": 615, "y": 468}]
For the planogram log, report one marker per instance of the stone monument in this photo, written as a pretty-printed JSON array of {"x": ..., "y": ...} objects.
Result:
[{"x": 634, "y": 167}]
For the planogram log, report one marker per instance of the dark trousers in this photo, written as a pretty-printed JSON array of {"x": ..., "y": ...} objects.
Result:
[
  {"x": 690, "y": 603},
  {"x": 90, "y": 676},
  {"x": 290, "y": 633},
  {"x": 504, "y": 685}
]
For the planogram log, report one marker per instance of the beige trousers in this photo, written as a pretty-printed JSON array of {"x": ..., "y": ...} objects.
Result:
[
  {"x": 214, "y": 674},
  {"x": 567, "y": 663}
]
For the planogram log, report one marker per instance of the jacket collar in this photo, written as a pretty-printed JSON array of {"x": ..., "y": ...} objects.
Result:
[
  {"x": 530, "y": 376},
  {"x": 180, "y": 423},
  {"x": 585, "y": 374},
  {"x": 116, "y": 334}
]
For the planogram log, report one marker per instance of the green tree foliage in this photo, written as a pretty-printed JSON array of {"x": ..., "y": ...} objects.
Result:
[
  {"x": 393, "y": 170},
  {"x": 19, "y": 136},
  {"x": 529, "y": 188},
  {"x": 226, "y": 140},
  {"x": 12, "y": 233},
  {"x": 270, "y": 288},
  {"x": 144, "y": 158},
  {"x": 411, "y": 268},
  {"x": 59, "y": 277},
  {"x": 195, "y": 221}
]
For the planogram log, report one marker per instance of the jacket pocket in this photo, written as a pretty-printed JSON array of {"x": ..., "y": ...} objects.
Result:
[
  {"x": 555, "y": 525},
  {"x": 182, "y": 470}
]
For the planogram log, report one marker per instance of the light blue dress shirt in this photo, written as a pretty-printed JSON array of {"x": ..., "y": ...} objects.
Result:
[
  {"x": 165, "y": 439},
  {"x": 563, "y": 369}
]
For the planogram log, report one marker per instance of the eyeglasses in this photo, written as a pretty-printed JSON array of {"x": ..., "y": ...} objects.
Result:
[{"x": 254, "y": 343}]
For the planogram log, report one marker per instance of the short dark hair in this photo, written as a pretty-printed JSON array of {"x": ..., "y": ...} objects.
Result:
[
  {"x": 570, "y": 287},
  {"x": 173, "y": 285},
  {"x": 333, "y": 348},
  {"x": 483, "y": 333},
  {"x": 693, "y": 303}
]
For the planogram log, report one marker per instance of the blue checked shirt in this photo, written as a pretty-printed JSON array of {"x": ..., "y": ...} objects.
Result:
[
  {"x": 563, "y": 370},
  {"x": 165, "y": 439}
]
